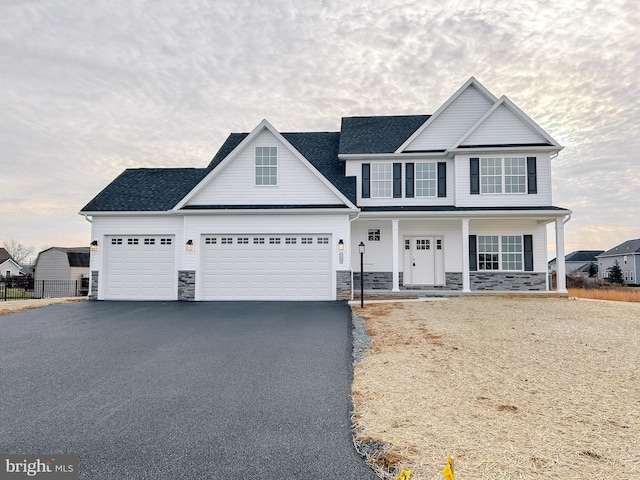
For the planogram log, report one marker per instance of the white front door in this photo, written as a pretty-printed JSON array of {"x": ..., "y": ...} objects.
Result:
[{"x": 423, "y": 261}]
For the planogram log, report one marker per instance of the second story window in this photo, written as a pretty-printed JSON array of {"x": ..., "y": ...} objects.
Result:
[
  {"x": 426, "y": 180},
  {"x": 266, "y": 163},
  {"x": 503, "y": 175},
  {"x": 381, "y": 180}
]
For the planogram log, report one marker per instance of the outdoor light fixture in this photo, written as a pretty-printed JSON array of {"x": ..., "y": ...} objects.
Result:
[
  {"x": 341, "y": 251},
  {"x": 94, "y": 246},
  {"x": 190, "y": 245},
  {"x": 361, "y": 248}
]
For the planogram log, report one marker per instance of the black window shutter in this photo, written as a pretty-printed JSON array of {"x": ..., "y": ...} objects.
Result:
[
  {"x": 442, "y": 179},
  {"x": 473, "y": 254},
  {"x": 366, "y": 180},
  {"x": 532, "y": 179},
  {"x": 528, "y": 253},
  {"x": 409, "y": 180},
  {"x": 397, "y": 180},
  {"x": 474, "y": 167}
]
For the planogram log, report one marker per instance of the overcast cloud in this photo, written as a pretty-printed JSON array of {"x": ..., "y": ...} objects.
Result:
[{"x": 88, "y": 89}]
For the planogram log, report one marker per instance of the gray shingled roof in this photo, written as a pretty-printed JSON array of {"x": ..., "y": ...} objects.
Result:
[
  {"x": 4, "y": 255},
  {"x": 630, "y": 246},
  {"x": 583, "y": 256},
  {"x": 78, "y": 256},
  {"x": 146, "y": 189},
  {"x": 377, "y": 134}
]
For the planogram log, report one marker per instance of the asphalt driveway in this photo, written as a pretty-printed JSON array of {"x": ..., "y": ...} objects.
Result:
[{"x": 251, "y": 390}]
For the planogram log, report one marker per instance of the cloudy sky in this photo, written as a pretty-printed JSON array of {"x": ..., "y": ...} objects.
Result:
[{"x": 90, "y": 88}]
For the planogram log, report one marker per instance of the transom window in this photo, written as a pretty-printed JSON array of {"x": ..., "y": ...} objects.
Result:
[
  {"x": 266, "y": 165},
  {"x": 499, "y": 252},
  {"x": 426, "y": 180},
  {"x": 498, "y": 175},
  {"x": 381, "y": 180}
]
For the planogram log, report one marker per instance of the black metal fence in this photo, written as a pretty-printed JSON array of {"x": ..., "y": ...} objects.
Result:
[{"x": 24, "y": 288}]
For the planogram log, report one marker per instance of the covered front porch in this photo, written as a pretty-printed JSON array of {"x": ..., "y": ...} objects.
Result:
[{"x": 407, "y": 253}]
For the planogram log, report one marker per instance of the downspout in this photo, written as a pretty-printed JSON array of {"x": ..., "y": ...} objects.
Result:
[{"x": 354, "y": 218}]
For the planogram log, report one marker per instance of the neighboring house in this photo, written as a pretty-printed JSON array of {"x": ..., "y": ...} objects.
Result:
[
  {"x": 578, "y": 261},
  {"x": 66, "y": 266},
  {"x": 627, "y": 254},
  {"x": 456, "y": 201},
  {"x": 8, "y": 266}
]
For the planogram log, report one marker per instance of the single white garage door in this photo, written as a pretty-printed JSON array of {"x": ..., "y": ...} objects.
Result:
[
  {"x": 266, "y": 267},
  {"x": 140, "y": 268}
]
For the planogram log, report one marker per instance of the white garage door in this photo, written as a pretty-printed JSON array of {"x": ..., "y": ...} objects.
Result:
[
  {"x": 266, "y": 267},
  {"x": 140, "y": 268}
]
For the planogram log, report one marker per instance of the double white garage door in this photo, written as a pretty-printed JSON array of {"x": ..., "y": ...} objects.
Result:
[{"x": 231, "y": 267}]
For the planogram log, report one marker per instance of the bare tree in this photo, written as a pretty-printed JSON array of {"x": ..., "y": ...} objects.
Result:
[{"x": 19, "y": 252}]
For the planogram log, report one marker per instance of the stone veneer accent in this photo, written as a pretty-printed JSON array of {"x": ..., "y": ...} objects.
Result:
[
  {"x": 343, "y": 285},
  {"x": 507, "y": 281},
  {"x": 384, "y": 281},
  {"x": 186, "y": 285},
  {"x": 452, "y": 281},
  {"x": 94, "y": 284}
]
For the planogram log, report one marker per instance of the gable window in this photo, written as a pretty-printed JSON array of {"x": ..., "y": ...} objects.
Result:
[
  {"x": 426, "y": 178},
  {"x": 503, "y": 175},
  {"x": 500, "y": 252},
  {"x": 374, "y": 235},
  {"x": 381, "y": 180},
  {"x": 266, "y": 163}
]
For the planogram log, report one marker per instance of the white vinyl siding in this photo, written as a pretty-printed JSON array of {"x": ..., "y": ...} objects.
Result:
[
  {"x": 381, "y": 180},
  {"x": 266, "y": 165},
  {"x": 426, "y": 179},
  {"x": 235, "y": 183},
  {"x": 503, "y": 127},
  {"x": 453, "y": 122}
]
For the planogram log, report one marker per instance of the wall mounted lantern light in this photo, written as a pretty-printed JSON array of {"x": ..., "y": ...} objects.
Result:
[
  {"x": 190, "y": 245},
  {"x": 94, "y": 246},
  {"x": 341, "y": 250}
]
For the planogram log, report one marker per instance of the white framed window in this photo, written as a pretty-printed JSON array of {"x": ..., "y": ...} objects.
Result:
[
  {"x": 243, "y": 240},
  {"x": 374, "y": 235},
  {"x": 511, "y": 252},
  {"x": 381, "y": 180},
  {"x": 266, "y": 163},
  {"x": 503, "y": 175},
  {"x": 500, "y": 252},
  {"x": 488, "y": 252},
  {"x": 323, "y": 240},
  {"x": 258, "y": 240},
  {"x": 210, "y": 241},
  {"x": 515, "y": 175},
  {"x": 426, "y": 180},
  {"x": 306, "y": 240}
]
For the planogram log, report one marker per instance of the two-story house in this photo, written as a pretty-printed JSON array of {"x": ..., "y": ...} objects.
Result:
[{"x": 456, "y": 201}]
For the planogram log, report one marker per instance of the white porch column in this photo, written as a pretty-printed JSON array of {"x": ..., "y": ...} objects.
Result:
[
  {"x": 561, "y": 281},
  {"x": 465, "y": 256},
  {"x": 395, "y": 258}
]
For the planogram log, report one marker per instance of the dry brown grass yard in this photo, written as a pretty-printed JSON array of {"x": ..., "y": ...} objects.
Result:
[{"x": 511, "y": 387}]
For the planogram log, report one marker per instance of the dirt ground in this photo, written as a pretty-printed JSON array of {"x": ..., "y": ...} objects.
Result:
[
  {"x": 12, "y": 306},
  {"x": 510, "y": 387}
]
